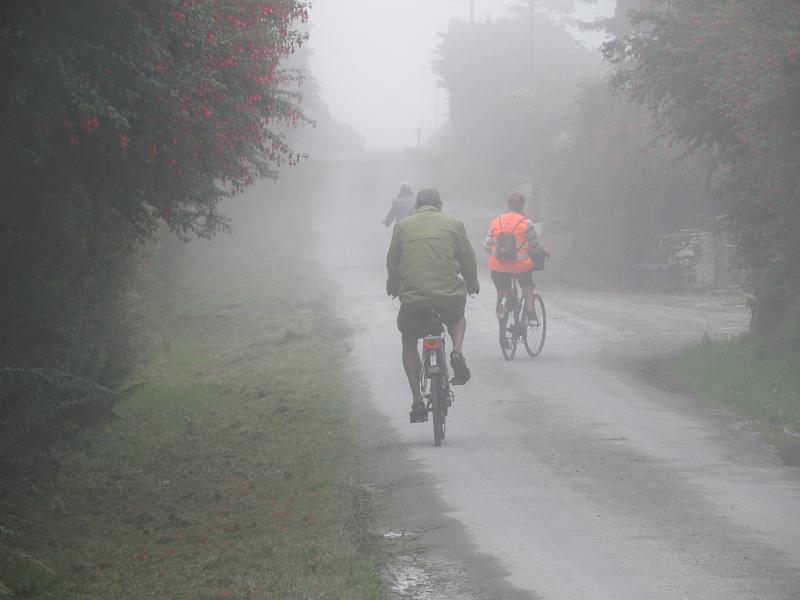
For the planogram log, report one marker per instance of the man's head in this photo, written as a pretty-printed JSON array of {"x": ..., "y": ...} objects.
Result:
[
  {"x": 516, "y": 202},
  {"x": 405, "y": 188},
  {"x": 429, "y": 197}
]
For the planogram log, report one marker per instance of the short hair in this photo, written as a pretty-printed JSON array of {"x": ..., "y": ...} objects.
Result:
[
  {"x": 429, "y": 197},
  {"x": 516, "y": 201}
]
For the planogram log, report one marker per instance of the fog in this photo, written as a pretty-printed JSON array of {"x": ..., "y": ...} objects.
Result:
[
  {"x": 204, "y": 389},
  {"x": 373, "y": 60}
]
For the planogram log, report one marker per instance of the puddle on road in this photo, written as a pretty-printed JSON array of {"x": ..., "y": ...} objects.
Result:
[
  {"x": 396, "y": 534},
  {"x": 410, "y": 581},
  {"x": 393, "y": 535}
]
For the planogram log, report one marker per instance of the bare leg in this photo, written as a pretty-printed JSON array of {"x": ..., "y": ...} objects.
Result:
[
  {"x": 499, "y": 308},
  {"x": 412, "y": 365},
  {"x": 502, "y": 315},
  {"x": 527, "y": 293},
  {"x": 456, "y": 331}
]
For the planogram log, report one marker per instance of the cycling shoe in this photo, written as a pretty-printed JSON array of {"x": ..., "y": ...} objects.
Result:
[
  {"x": 418, "y": 413},
  {"x": 460, "y": 370}
]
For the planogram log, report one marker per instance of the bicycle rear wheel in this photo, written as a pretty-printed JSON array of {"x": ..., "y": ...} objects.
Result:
[
  {"x": 438, "y": 407},
  {"x": 536, "y": 327},
  {"x": 508, "y": 334}
]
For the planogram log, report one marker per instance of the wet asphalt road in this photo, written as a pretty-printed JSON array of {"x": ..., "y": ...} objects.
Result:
[{"x": 569, "y": 476}]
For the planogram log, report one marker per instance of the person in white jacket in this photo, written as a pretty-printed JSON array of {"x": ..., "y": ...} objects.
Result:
[{"x": 403, "y": 205}]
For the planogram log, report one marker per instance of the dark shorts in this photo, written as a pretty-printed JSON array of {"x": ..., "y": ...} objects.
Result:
[
  {"x": 411, "y": 318},
  {"x": 502, "y": 281}
]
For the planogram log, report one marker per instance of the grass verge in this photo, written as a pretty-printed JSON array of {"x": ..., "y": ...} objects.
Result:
[
  {"x": 230, "y": 473},
  {"x": 738, "y": 373}
]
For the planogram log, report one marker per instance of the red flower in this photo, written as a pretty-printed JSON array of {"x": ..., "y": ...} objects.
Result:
[
  {"x": 124, "y": 140},
  {"x": 90, "y": 124},
  {"x": 74, "y": 140}
]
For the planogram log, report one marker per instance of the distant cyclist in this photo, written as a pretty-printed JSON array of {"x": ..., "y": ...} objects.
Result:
[
  {"x": 430, "y": 264},
  {"x": 403, "y": 205},
  {"x": 510, "y": 241}
]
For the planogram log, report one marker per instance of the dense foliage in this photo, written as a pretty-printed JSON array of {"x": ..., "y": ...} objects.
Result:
[
  {"x": 120, "y": 116},
  {"x": 497, "y": 104},
  {"x": 599, "y": 172},
  {"x": 623, "y": 188},
  {"x": 726, "y": 76}
]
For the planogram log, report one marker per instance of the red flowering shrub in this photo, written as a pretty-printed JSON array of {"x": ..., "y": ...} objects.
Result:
[
  {"x": 186, "y": 88},
  {"x": 119, "y": 114}
]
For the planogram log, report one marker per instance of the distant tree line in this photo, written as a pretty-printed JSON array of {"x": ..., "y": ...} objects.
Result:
[
  {"x": 725, "y": 76},
  {"x": 120, "y": 117},
  {"x": 497, "y": 103},
  {"x": 596, "y": 156}
]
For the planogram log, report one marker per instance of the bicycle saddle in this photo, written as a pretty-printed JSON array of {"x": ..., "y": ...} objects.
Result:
[{"x": 433, "y": 322}]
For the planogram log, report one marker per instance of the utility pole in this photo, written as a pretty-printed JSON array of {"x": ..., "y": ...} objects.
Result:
[
  {"x": 436, "y": 108},
  {"x": 534, "y": 199},
  {"x": 472, "y": 12}
]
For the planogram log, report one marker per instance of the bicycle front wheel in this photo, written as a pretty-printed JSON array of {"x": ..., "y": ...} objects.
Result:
[
  {"x": 536, "y": 327},
  {"x": 438, "y": 407}
]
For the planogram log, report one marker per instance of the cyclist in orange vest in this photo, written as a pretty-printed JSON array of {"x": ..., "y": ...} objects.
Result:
[{"x": 519, "y": 263}]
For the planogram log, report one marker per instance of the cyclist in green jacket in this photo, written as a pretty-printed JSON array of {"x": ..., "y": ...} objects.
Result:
[{"x": 430, "y": 264}]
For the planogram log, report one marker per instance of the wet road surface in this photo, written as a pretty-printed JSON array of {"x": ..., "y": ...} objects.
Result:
[{"x": 567, "y": 476}]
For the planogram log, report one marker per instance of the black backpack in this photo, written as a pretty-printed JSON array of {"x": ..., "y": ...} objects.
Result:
[{"x": 505, "y": 247}]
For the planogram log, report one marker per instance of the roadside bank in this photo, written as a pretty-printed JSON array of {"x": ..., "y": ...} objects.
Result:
[
  {"x": 231, "y": 472},
  {"x": 762, "y": 385}
]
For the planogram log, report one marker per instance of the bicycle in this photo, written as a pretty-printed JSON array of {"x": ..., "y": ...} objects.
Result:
[
  {"x": 516, "y": 327},
  {"x": 439, "y": 396}
]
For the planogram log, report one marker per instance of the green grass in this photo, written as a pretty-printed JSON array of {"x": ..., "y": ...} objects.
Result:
[
  {"x": 739, "y": 373},
  {"x": 230, "y": 473}
]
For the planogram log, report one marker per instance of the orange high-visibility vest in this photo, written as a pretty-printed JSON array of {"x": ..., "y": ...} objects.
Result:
[{"x": 516, "y": 223}]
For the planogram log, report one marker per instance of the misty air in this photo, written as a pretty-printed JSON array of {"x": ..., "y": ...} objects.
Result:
[{"x": 400, "y": 299}]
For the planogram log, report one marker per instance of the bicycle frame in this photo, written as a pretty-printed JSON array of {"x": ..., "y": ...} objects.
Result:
[
  {"x": 438, "y": 397},
  {"x": 433, "y": 361}
]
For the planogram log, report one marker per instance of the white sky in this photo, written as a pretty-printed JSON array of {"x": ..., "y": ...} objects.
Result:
[{"x": 373, "y": 60}]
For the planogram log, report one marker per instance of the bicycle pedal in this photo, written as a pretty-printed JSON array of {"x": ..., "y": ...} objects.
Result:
[{"x": 418, "y": 416}]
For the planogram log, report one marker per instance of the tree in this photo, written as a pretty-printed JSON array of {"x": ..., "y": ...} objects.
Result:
[
  {"x": 121, "y": 115},
  {"x": 171, "y": 101},
  {"x": 495, "y": 109},
  {"x": 726, "y": 76},
  {"x": 622, "y": 186}
]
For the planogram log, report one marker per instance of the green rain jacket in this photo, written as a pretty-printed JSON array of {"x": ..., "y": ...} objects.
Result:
[{"x": 427, "y": 253}]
